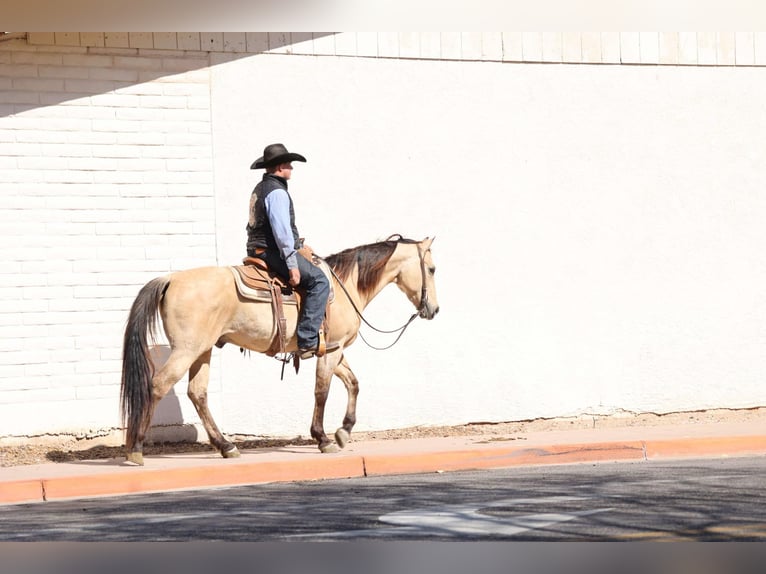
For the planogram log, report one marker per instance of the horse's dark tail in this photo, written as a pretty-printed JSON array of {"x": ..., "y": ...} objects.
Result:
[{"x": 137, "y": 368}]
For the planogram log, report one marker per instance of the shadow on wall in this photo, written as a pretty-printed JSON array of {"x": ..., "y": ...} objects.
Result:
[
  {"x": 167, "y": 425},
  {"x": 31, "y": 89}
]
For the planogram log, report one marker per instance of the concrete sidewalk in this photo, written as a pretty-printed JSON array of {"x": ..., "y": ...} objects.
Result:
[{"x": 59, "y": 481}]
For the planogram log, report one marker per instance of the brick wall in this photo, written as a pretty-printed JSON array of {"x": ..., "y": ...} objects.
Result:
[
  {"x": 105, "y": 182},
  {"x": 666, "y": 48}
]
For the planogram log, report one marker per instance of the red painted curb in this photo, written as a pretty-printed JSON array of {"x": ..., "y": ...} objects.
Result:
[
  {"x": 138, "y": 480},
  {"x": 20, "y": 491},
  {"x": 229, "y": 473},
  {"x": 690, "y": 447},
  {"x": 502, "y": 457}
]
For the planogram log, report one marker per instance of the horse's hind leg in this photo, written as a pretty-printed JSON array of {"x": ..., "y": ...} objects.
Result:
[
  {"x": 170, "y": 373},
  {"x": 199, "y": 375},
  {"x": 344, "y": 373}
]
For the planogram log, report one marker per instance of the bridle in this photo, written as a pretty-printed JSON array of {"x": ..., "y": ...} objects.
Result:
[
  {"x": 424, "y": 288},
  {"x": 418, "y": 313}
]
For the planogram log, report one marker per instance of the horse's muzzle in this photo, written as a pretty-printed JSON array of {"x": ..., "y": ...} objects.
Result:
[{"x": 428, "y": 312}]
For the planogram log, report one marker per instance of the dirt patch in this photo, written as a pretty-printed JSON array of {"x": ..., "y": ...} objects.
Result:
[{"x": 68, "y": 450}]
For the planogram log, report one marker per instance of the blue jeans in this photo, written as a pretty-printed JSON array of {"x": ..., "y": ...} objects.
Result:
[{"x": 316, "y": 287}]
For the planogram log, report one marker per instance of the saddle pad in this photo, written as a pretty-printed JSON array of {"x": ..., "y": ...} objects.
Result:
[{"x": 256, "y": 294}]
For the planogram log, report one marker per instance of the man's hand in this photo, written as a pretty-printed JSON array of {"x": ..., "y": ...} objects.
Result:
[
  {"x": 295, "y": 277},
  {"x": 307, "y": 252}
]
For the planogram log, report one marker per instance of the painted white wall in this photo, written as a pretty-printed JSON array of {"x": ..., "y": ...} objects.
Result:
[{"x": 598, "y": 228}]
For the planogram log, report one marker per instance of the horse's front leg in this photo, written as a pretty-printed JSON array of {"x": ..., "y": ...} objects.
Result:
[
  {"x": 324, "y": 371},
  {"x": 344, "y": 372}
]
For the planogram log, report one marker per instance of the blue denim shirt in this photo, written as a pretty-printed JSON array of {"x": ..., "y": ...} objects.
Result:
[{"x": 278, "y": 210}]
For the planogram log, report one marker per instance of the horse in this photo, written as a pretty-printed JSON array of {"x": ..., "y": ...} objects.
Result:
[{"x": 201, "y": 308}]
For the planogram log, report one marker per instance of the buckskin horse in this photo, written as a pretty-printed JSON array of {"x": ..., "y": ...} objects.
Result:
[{"x": 202, "y": 307}]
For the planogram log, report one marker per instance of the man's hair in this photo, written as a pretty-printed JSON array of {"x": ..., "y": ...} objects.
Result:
[{"x": 275, "y": 167}]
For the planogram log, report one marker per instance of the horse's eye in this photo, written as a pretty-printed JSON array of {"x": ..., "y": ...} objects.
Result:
[{"x": 432, "y": 270}]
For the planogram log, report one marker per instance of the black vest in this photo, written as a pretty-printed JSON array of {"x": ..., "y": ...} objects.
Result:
[{"x": 259, "y": 233}]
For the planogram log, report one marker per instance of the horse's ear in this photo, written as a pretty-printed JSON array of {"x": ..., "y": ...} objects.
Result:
[{"x": 428, "y": 241}]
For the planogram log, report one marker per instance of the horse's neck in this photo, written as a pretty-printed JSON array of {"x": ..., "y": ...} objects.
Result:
[{"x": 393, "y": 266}]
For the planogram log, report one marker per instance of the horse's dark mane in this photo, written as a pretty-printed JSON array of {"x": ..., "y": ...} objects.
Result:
[{"x": 371, "y": 259}]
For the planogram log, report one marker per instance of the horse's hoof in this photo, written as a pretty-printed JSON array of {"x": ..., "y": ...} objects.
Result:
[
  {"x": 330, "y": 448},
  {"x": 233, "y": 452},
  {"x": 342, "y": 437},
  {"x": 135, "y": 459}
]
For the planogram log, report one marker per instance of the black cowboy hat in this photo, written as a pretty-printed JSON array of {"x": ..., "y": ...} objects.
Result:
[{"x": 275, "y": 154}]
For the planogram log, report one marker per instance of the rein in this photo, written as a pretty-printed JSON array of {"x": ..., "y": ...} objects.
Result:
[{"x": 403, "y": 328}]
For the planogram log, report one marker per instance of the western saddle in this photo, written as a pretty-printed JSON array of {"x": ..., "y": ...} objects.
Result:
[{"x": 255, "y": 281}]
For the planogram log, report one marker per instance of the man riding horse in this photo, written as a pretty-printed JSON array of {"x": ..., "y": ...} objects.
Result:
[
  {"x": 273, "y": 236},
  {"x": 202, "y": 308}
]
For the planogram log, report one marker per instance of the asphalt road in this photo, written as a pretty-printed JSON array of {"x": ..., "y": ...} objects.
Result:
[{"x": 700, "y": 500}]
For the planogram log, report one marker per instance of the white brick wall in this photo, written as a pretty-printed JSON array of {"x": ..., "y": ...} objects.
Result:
[
  {"x": 105, "y": 182},
  {"x": 665, "y": 48}
]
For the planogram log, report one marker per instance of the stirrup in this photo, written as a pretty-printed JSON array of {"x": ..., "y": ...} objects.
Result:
[
  {"x": 319, "y": 351},
  {"x": 322, "y": 345}
]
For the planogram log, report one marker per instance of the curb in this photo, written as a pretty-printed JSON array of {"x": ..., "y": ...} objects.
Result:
[
  {"x": 135, "y": 480},
  {"x": 475, "y": 459},
  {"x": 713, "y": 446},
  {"x": 143, "y": 480}
]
